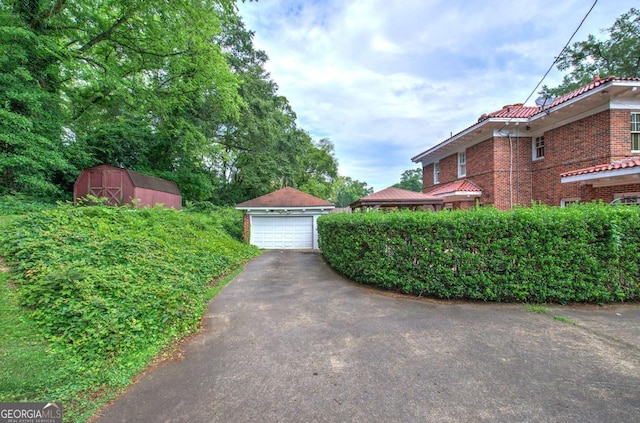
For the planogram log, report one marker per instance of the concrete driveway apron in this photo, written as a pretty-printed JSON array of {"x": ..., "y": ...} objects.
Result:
[{"x": 289, "y": 340}]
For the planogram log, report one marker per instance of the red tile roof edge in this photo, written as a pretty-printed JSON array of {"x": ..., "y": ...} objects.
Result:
[
  {"x": 519, "y": 111},
  {"x": 463, "y": 185},
  {"x": 618, "y": 164}
]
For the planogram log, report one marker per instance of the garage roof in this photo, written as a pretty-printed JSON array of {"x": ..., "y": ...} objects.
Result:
[{"x": 285, "y": 197}]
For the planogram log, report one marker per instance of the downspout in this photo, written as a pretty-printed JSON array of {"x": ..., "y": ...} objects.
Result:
[{"x": 510, "y": 172}]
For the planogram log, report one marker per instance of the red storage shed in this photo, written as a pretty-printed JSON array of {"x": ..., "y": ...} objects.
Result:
[{"x": 121, "y": 186}]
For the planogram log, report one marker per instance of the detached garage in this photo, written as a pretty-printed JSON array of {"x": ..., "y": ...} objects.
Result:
[{"x": 284, "y": 219}]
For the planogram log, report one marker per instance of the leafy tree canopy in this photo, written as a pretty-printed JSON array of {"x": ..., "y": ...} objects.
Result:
[
  {"x": 411, "y": 180},
  {"x": 347, "y": 190},
  {"x": 619, "y": 55},
  {"x": 171, "y": 88}
]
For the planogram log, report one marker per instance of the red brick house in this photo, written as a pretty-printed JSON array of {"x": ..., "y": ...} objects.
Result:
[{"x": 582, "y": 146}]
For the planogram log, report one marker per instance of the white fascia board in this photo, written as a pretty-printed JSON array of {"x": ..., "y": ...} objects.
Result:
[
  {"x": 505, "y": 122},
  {"x": 287, "y": 209},
  {"x": 601, "y": 175},
  {"x": 449, "y": 141},
  {"x": 585, "y": 95},
  {"x": 461, "y": 194}
]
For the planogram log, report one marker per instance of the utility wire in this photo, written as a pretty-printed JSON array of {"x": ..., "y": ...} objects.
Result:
[
  {"x": 555, "y": 60},
  {"x": 561, "y": 51}
]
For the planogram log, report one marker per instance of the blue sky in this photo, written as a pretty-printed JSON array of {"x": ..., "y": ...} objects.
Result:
[{"x": 385, "y": 80}]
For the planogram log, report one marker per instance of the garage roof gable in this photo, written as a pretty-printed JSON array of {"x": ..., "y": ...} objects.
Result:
[{"x": 286, "y": 197}]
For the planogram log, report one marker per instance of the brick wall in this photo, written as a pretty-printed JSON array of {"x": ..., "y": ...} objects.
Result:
[
  {"x": 574, "y": 146},
  {"x": 427, "y": 177},
  {"x": 606, "y": 193},
  {"x": 621, "y": 134},
  {"x": 246, "y": 224},
  {"x": 596, "y": 139}
]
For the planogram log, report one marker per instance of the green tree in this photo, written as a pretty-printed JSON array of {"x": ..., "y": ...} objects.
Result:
[
  {"x": 618, "y": 55},
  {"x": 133, "y": 82},
  {"x": 30, "y": 116},
  {"x": 346, "y": 190},
  {"x": 411, "y": 180},
  {"x": 318, "y": 170}
]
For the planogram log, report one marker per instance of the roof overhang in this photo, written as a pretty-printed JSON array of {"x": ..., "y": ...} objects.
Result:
[
  {"x": 395, "y": 203},
  {"x": 460, "y": 196},
  {"x": 602, "y": 96},
  {"x": 287, "y": 209},
  {"x": 472, "y": 135},
  {"x": 630, "y": 175}
]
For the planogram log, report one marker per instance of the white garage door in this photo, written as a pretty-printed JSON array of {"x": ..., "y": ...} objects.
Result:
[{"x": 290, "y": 232}]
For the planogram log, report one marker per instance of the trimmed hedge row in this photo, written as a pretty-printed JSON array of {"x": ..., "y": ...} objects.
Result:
[{"x": 583, "y": 253}]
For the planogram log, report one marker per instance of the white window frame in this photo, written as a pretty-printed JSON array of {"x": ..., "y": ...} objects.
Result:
[
  {"x": 537, "y": 147},
  {"x": 635, "y": 132},
  {"x": 462, "y": 164},
  {"x": 436, "y": 173},
  {"x": 619, "y": 195},
  {"x": 568, "y": 201}
]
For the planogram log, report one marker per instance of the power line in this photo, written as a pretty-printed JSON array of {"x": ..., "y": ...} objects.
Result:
[
  {"x": 557, "y": 57},
  {"x": 561, "y": 51}
]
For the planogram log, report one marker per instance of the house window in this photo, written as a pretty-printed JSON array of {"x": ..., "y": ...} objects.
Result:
[
  {"x": 538, "y": 148},
  {"x": 462, "y": 164},
  {"x": 436, "y": 173},
  {"x": 568, "y": 201},
  {"x": 635, "y": 131},
  {"x": 626, "y": 198}
]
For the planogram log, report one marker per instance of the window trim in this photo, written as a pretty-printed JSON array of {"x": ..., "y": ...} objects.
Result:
[
  {"x": 436, "y": 173},
  {"x": 569, "y": 200},
  {"x": 535, "y": 148},
  {"x": 635, "y": 131},
  {"x": 462, "y": 165}
]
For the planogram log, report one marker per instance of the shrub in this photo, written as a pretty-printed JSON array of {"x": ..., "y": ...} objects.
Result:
[
  {"x": 109, "y": 287},
  {"x": 587, "y": 253}
]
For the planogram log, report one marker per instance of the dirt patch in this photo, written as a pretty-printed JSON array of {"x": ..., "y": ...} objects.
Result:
[{"x": 3, "y": 265}]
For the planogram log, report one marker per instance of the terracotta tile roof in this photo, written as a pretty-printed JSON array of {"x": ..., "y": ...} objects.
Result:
[
  {"x": 286, "y": 197},
  {"x": 396, "y": 194},
  {"x": 463, "y": 185},
  {"x": 618, "y": 164},
  {"x": 597, "y": 82},
  {"x": 519, "y": 111},
  {"x": 396, "y": 197},
  {"x": 513, "y": 111}
]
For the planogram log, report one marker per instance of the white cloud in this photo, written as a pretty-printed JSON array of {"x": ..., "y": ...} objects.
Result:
[{"x": 385, "y": 80}]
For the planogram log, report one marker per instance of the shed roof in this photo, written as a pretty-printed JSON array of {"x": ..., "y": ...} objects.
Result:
[
  {"x": 285, "y": 197},
  {"x": 141, "y": 180}
]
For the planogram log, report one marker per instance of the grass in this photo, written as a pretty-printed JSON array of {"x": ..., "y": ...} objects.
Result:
[
  {"x": 27, "y": 370},
  {"x": 537, "y": 308},
  {"x": 565, "y": 320}
]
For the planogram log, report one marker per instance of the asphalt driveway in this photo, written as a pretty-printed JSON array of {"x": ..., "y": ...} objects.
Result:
[{"x": 289, "y": 340}]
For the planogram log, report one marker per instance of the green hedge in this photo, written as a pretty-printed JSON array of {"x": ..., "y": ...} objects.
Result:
[{"x": 583, "y": 253}]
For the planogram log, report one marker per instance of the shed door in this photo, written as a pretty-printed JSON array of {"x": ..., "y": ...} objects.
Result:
[
  {"x": 282, "y": 232},
  {"x": 107, "y": 184}
]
